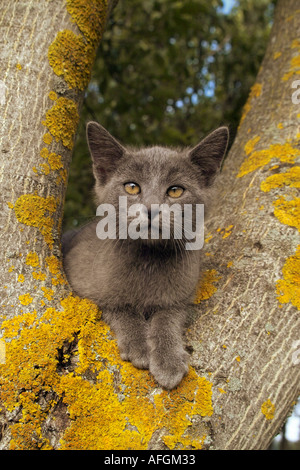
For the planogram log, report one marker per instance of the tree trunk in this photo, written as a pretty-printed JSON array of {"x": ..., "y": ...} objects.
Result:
[{"x": 63, "y": 384}]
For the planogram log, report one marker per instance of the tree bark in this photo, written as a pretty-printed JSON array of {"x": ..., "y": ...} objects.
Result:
[{"x": 63, "y": 384}]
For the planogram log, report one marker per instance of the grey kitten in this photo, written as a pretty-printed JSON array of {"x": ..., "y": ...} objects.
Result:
[{"x": 144, "y": 286}]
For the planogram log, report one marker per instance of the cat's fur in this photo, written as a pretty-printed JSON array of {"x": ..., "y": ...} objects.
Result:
[{"x": 144, "y": 287}]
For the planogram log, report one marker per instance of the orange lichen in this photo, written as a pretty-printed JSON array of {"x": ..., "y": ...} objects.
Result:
[
  {"x": 33, "y": 210},
  {"x": 268, "y": 409},
  {"x": 62, "y": 120},
  {"x": 206, "y": 287}
]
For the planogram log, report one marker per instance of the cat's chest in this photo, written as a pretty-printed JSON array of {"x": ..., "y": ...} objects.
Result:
[{"x": 152, "y": 281}]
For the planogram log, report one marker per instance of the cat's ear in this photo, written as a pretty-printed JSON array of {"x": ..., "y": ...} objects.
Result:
[
  {"x": 105, "y": 151},
  {"x": 209, "y": 153}
]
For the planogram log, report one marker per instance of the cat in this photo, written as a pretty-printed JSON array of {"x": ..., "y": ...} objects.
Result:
[{"x": 144, "y": 286}]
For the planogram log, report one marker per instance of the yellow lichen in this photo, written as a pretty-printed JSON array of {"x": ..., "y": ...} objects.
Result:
[
  {"x": 25, "y": 299},
  {"x": 52, "y": 95},
  {"x": 290, "y": 178},
  {"x": 257, "y": 159},
  {"x": 62, "y": 120},
  {"x": 89, "y": 15},
  {"x": 249, "y": 147},
  {"x": 71, "y": 56},
  {"x": 39, "y": 276},
  {"x": 288, "y": 212},
  {"x": 206, "y": 287},
  {"x": 48, "y": 293},
  {"x": 21, "y": 278},
  {"x": 288, "y": 288},
  {"x": 55, "y": 161},
  {"x": 32, "y": 259},
  {"x": 36, "y": 211},
  {"x": 44, "y": 152},
  {"x": 255, "y": 92},
  {"x": 47, "y": 138},
  {"x": 55, "y": 268},
  {"x": 294, "y": 63},
  {"x": 268, "y": 409},
  {"x": 45, "y": 168},
  {"x": 116, "y": 410}
]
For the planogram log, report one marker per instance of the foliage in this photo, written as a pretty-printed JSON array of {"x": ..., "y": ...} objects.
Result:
[{"x": 168, "y": 72}]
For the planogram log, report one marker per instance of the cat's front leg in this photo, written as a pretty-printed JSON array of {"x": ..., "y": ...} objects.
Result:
[
  {"x": 168, "y": 358},
  {"x": 131, "y": 332}
]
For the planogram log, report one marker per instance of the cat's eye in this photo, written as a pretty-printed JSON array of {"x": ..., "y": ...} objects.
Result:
[
  {"x": 132, "y": 188},
  {"x": 175, "y": 191}
]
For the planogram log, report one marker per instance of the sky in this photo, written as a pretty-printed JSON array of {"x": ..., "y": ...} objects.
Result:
[{"x": 227, "y": 5}]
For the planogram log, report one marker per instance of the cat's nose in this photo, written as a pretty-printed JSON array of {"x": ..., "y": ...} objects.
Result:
[{"x": 152, "y": 213}]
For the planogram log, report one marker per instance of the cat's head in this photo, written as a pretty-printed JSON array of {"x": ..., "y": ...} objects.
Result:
[{"x": 154, "y": 175}]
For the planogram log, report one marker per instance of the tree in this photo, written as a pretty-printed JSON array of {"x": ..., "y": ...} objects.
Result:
[{"x": 63, "y": 384}]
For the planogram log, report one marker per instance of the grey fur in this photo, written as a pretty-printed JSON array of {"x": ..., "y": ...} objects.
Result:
[{"x": 144, "y": 287}]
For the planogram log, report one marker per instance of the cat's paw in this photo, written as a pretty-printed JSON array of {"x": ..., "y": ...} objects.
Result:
[
  {"x": 168, "y": 370},
  {"x": 136, "y": 354}
]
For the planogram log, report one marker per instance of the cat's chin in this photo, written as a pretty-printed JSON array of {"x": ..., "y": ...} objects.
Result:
[{"x": 157, "y": 245}]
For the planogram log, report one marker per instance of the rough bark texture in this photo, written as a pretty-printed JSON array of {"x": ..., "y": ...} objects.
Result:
[
  {"x": 63, "y": 384},
  {"x": 246, "y": 333}
]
